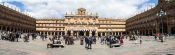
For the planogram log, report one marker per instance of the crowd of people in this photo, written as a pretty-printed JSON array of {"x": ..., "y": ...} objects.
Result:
[
  {"x": 68, "y": 40},
  {"x": 87, "y": 41},
  {"x": 15, "y": 36}
]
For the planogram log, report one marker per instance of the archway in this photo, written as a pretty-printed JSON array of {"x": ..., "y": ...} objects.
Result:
[
  {"x": 81, "y": 33},
  {"x": 173, "y": 30},
  {"x": 93, "y": 33}
]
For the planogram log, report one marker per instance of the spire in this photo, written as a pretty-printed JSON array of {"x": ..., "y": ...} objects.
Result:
[
  {"x": 91, "y": 13},
  {"x": 66, "y": 13},
  {"x": 71, "y": 13},
  {"x": 96, "y": 14}
]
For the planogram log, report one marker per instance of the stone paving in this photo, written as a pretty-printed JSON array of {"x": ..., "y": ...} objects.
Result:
[{"x": 38, "y": 47}]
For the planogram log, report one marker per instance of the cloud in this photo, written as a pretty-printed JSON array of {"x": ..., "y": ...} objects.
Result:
[{"x": 105, "y": 8}]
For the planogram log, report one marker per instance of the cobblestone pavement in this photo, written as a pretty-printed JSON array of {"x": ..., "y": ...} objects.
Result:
[{"x": 38, "y": 47}]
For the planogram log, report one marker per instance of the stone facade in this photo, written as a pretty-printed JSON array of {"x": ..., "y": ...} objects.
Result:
[
  {"x": 148, "y": 23},
  {"x": 81, "y": 24},
  {"x": 14, "y": 21}
]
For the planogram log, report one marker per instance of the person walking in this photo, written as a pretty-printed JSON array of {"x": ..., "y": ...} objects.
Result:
[
  {"x": 17, "y": 36},
  {"x": 121, "y": 40},
  {"x": 86, "y": 42},
  {"x": 81, "y": 40},
  {"x": 90, "y": 42},
  {"x": 42, "y": 36}
]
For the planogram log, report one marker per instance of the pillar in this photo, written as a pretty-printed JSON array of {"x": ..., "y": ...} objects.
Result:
[
  {"x": 72, "y": 33},
  {"x": 65, "y": 33},
  {"x": 115, "y": 33},
  {"x": 121, "y": 33},
  {"x": 96, "y": 33},
  {"x": 61, "y": 33},
  {"x": 77, "y": 33},
  {"x": 101, "y": 34},
  {"x": 5, "y": 28},
  {"x": 84, "y": 33},
  {"x": 47, "y": 33},
  {"x": 58, "y": 33},
  {"x": 53, "y": 33},
  {"x": 105, "y": 34},
  {"x": 90, "y": 33},
  {"x": 16, "y": 29},
  {"x": 40, "y": 33},
  {"x": 112, "y": 33},
  {"x": 44, "y": 32},
  {"x": 152, "y": 32},
  {"x": 1, "y": 28},
  {"x": 169, "y": 30},
  {"x": 144, "y": 33}
]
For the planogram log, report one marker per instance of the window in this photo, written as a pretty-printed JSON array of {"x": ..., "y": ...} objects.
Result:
[
  {"x": 93, "y": 18},
  {"x": 87, "y": 18}
]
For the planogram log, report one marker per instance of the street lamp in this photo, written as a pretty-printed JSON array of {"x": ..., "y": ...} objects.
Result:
[{"x": 161, "y": 14}]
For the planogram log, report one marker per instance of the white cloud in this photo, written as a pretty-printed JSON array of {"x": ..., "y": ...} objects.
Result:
[{"x": 105, "y": 8}]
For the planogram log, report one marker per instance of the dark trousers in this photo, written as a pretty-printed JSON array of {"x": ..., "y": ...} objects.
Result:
[
  {"x": 17, "y": 39},
  {"x": 89, "y": 45}
]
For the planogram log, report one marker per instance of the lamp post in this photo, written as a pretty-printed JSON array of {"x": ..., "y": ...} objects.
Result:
[{"x": 161, "y": 14}]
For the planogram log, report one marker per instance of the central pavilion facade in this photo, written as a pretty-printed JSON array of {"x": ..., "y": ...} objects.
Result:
[{"x": 81, "y": 24}]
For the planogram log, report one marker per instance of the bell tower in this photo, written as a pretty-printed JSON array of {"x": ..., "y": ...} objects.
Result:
[{"x": 81, "y": 11}]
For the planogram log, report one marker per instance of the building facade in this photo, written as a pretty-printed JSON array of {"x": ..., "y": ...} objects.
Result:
[
  {"x": 14, "y": 21},
  {"x": 81, "y": 24},
  {"x": 149, "y": 23}
]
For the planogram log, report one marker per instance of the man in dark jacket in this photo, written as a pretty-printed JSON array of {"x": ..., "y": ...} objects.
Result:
[
  {"x": 17, "y": 36},
  {"x": 90, "y": 42},
  {"x": 86, "y": 42}
]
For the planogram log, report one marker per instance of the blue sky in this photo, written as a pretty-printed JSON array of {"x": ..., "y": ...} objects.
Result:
[{"x": 105, "y": 8}]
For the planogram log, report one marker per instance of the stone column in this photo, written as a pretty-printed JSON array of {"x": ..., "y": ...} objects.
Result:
[
  {"x": 112, "y": 33},
  {"x": 169, "y": 30},
  {"x": 72, "y": 33},
  {"x": 84, "y": 33},
  {"x": 65, "y": 33},
  {"x": 105, "y": 33},
  {"x": 47, "y": 33},
  {"x": 90, "y": 33},
  {"x": 152, "y": 32},
  {"x": 53, "y": 33},
  {"x": 61, "y": 33},
  {"x": 115, "y": 33},
  {"x": 44, "y": 32},
  {"x": 10, "y": 29},
  {"x": 96, "y": 33},
  {"x": 5, "y": 28},
  {"x": 121, "y": 33},
  {"x": 17, "y": 30},
  {"x": 58, "y": 33},
  {"x": 40, "y": 33},
  {"x": 145, "y": 33},
  {"x": 26, "y": 31},
  {"x": 101, "y": 34},
  {"x": 1, "y": 28},
  {"x": 77, "y": 33}
]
